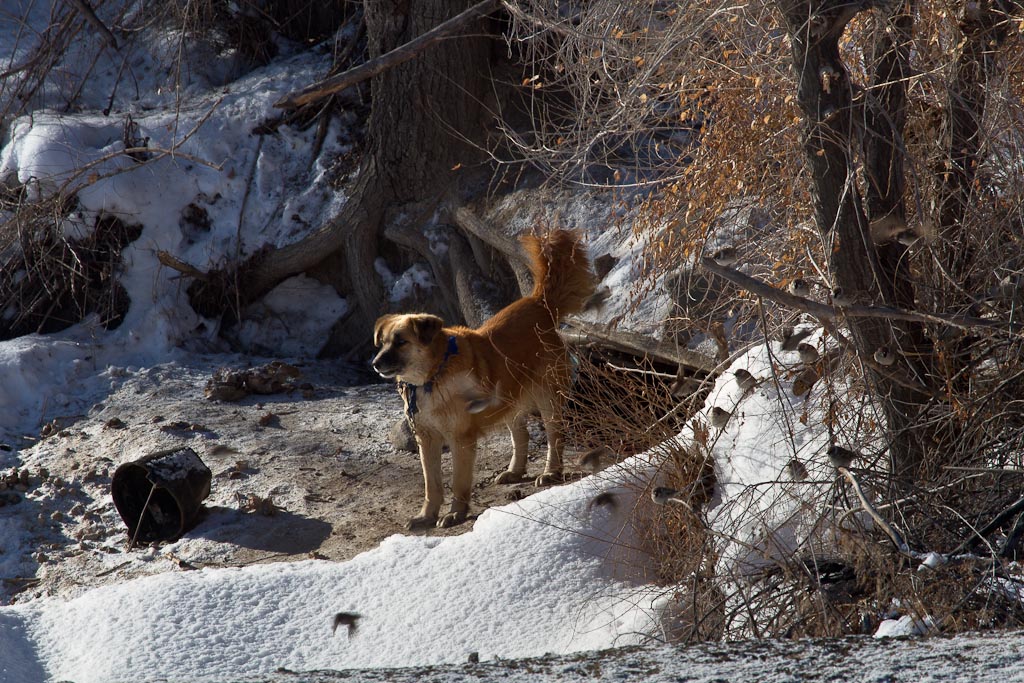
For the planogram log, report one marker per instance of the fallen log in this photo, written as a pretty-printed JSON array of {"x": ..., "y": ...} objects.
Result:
[{"x": 589, "y": 335}]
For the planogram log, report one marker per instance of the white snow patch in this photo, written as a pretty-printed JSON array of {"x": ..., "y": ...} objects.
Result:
[
  {"x": 906, "y": 625},
  {"x": 542, "y": 575}
]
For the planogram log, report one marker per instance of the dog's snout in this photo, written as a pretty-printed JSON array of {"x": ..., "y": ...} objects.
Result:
[{"x": 386, "y": 363}]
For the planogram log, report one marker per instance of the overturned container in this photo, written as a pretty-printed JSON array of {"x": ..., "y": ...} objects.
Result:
[{"x": 160, "y": 495}]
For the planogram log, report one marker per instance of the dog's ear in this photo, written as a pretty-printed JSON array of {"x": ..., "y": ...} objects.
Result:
[
  {"x": 378, "y": 327},
  {"x": 426, "y": 327}
]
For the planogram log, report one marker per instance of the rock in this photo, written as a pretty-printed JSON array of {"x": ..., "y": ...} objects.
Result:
[
  {"x": 114, "y": 423},
  {"x": 402, "y": 438}
]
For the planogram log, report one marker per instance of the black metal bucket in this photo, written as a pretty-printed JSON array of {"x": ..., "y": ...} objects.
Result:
[{"x": 159, "y": 496}]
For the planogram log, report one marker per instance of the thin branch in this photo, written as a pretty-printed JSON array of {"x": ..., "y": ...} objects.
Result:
[
  {"x": 90, "y": 16},
  {"x": 890, "y": 531},
  {"x": 400, "y": 54},
  {"x": 826, "y": 312},
  {"x": 1000, "y": 519},
  {"x": 177, "y": 264}
]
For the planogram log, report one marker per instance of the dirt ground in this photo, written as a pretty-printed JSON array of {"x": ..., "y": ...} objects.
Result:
[{"x": 308, "y": 472}]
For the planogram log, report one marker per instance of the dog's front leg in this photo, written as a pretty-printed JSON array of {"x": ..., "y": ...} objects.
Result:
[
  {"x": 430, "y": 458},
  {"x": 463, "y": 461}
]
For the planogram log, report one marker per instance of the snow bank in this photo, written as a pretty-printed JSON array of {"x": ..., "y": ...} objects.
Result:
[
  {"x": 191, "y": 196},
  {"x": 543, "y": 575},
  {"x": 774, "y": 480}
]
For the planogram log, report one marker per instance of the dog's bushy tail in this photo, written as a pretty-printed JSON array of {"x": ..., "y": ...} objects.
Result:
[{"x": 561, "y": 271}]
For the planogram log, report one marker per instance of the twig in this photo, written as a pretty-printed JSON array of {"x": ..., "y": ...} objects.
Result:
[
  {"x": 638, "y": 371},
  {"x": 142, "y": 512},
  {"x": 106, "y": 572},
  {"x": 1013, "y": 537},
  {"x": 90, "y": 16},
  {"x": 891, "y": 532},
  {"x": 238, "y": 231},
  {"x": 1000, "y": 519},
  {"x": 177, "y": 264},
  {"x": 400, "y": 54}
]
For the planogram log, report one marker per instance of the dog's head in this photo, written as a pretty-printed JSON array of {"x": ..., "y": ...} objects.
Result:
[{"x": 406, "y": 346}]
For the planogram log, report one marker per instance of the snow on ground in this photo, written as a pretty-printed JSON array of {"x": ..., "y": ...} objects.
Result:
[
  {"x": 211, "y": 190},
  {"x": 969, "y": 658},
  {"x": 773, "y": 474},
  {"x": 539, "y": 576}
]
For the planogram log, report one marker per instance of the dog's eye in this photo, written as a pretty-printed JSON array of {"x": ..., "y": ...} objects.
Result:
[{"x": 398, "y": 342}]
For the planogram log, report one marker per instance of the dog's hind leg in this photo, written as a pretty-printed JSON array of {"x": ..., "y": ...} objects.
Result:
[
  {"x": 430, "y": 458},
  {"x": 520, "y": 447},
  {"x": 551, "y": 414},
  {"x": 463, "y": 461}
]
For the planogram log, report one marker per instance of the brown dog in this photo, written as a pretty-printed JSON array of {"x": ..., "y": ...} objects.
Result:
[{"x": 458, "y": 383}]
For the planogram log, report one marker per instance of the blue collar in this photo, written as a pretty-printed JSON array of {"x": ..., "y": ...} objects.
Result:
[{"x": 408, "y": 390}]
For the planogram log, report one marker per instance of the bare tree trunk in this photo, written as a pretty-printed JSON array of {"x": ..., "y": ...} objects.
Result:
[
  {"x": 984, "y": 26},
  {"x": 984, "y": 29},
  {"x": 869, "y": 273},
  {"x": 425, "y": 123}
]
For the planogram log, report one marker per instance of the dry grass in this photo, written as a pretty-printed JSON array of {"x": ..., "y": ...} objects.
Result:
[{"x": 49, "y": 281}]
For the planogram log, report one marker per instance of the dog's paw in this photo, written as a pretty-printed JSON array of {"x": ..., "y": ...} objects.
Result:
[
  {"x": 549, "y": 478},
  {"x": 509, "y": 477},
  {"x": 418, "y": 523},
  {"x": 451, "y": 519}
]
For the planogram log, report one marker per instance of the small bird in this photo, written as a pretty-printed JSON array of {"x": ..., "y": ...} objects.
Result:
[
  {"x": 884, "y": 356},
  {"x": 719, "y": 417},
  {"x": 596, "y": 301},
  {"x": 808, "y": 353},
  {"x": 840, "y": 297},
  {"x": 799, "y": 287},
  {"x": 907, "y": 238},
  {"x": 595, "y": 458},
  {"x": 348, "y": 619},
  {"x": 604, "y": 499},
  {"x": 726, "y": 256},
  {"x": 745, "y": 380},
  {"x": 663, "y": 495},
  {"x": 796, "y": 469},
  {"x": 1010, "y": 289},
  {"x": 841, "y": 457},
  {"x": 805, "y": 381},
  {"x": 791, "y": 340},
  {"x": 684, "y": 386}
]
